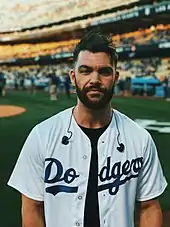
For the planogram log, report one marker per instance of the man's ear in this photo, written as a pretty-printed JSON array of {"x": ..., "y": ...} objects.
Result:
[
  {"x": 116, "y": 77},
  {"x": 72, "y": 76}
]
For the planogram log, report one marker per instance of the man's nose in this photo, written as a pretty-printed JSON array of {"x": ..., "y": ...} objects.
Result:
[{"x": 95, "y": 78}]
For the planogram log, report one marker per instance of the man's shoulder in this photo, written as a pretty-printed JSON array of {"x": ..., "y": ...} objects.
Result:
[
  {"x": 129, "y": 125},
  {"x": 55, "y": 120}
]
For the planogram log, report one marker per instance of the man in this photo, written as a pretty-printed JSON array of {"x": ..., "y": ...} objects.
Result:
[
  {"x": 2, "y": 84},
  {"x": 54, "y": 83},
  {"x": 67, "y": 83},
  {"x": 90, "y": 164},
  {"x": 165, "y": 86},
  {"x": 168, "y": 88}
]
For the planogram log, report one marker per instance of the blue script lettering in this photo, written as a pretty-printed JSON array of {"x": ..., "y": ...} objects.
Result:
[
  {"x": 68, "y": 177},
  {"x": 128, "y": 170},
  {"x": 112, "y": 176}
]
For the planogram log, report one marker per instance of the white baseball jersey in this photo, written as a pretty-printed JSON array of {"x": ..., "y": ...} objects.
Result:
[{"x": 57, "y": 174}]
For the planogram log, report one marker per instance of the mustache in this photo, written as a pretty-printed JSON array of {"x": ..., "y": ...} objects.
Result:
[{"x": 94, "y": 87}]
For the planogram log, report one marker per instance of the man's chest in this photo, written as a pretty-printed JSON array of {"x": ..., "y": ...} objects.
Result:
[{"x": 69, "y": 170}]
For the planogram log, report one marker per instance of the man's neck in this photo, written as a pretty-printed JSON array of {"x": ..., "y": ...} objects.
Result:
[{"x": 92, "y": 118}]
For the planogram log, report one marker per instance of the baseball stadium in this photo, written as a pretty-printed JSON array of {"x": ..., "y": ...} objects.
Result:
[{"x": 37, "y": 39}]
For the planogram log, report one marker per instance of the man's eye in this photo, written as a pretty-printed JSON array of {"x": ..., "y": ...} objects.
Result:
[
  {"x": 106, "y": 71},
  {"x": 85, "y": 72}
]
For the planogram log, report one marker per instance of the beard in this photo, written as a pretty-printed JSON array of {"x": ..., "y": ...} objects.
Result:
[{"x": 95, "y": 101}]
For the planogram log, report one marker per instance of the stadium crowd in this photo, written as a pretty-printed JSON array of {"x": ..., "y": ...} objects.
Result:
[{"x": 134, "y": 76}]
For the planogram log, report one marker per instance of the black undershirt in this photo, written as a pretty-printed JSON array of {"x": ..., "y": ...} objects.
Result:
[{"x": 91, "y": 212}]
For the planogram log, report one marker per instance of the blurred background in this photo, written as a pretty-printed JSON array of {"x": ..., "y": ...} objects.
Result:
[{"x": 36, "y": 43}]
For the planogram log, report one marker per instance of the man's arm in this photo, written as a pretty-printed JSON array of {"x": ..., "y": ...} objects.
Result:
[
  {"x": 149, "y": 214},
  {"x": 32, "y": 213}
]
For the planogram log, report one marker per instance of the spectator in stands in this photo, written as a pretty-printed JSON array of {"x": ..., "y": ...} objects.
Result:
[
  {"x": 67, "y": 84},
  {"x": 121, "y": 86},
  {"x": 62, "y": 83},
  {"x": 16, "y": 82},
  {"x": 165, "y": 86},
  {"x": 54, "y": 84},
  {"x": 2, "y": 84},
  {"x": 168, "y": 89},
  {"x": 33, "y": 87},
  {"x": 22, "y": 81},
  {"x": 127, "y": 86}
]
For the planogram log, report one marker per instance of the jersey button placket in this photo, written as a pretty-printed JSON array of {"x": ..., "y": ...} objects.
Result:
[
  {"x": 102, "y": 145},
  {"x": 85, "y": 156}
]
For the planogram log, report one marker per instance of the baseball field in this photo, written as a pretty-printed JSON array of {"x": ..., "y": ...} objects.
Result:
[{"x": 14, "y": 130}]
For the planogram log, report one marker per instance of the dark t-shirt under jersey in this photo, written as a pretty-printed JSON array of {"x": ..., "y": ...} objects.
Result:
[{"x": 91, "y": 212}]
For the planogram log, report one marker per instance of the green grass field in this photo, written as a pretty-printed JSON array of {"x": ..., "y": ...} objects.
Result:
[{"x": 14, "y": 130}]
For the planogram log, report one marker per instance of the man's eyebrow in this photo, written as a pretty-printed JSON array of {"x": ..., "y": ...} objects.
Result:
[
  {"x": 89, "y": 67},
  {"x": 106, "y": 67},
  {"x": 84, "y": 66}
]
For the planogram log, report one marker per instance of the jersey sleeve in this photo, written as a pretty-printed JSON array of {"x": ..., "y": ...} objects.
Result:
[
  {"x": 27, "y": 176},
  {"x": 151, "y": 181}
]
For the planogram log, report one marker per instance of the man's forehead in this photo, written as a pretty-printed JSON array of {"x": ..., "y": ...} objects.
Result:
[{"x": 90, "y": 59}]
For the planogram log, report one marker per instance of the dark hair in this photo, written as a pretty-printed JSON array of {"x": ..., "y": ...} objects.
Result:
[{"x": 96, "y": 42}]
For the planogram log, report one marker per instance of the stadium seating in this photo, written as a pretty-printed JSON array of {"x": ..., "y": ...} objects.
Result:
[{"x": 153, "y": 35}]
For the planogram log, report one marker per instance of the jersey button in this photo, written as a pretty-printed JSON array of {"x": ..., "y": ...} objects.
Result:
[
  {"x": 84, "y": 156},
  {"x": 77, "y": 223},
  {"x": 80, "y": 197}
]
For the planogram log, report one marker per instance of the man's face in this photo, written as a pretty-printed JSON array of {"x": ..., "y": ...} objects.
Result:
[{"x": 94, "y": 78}]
